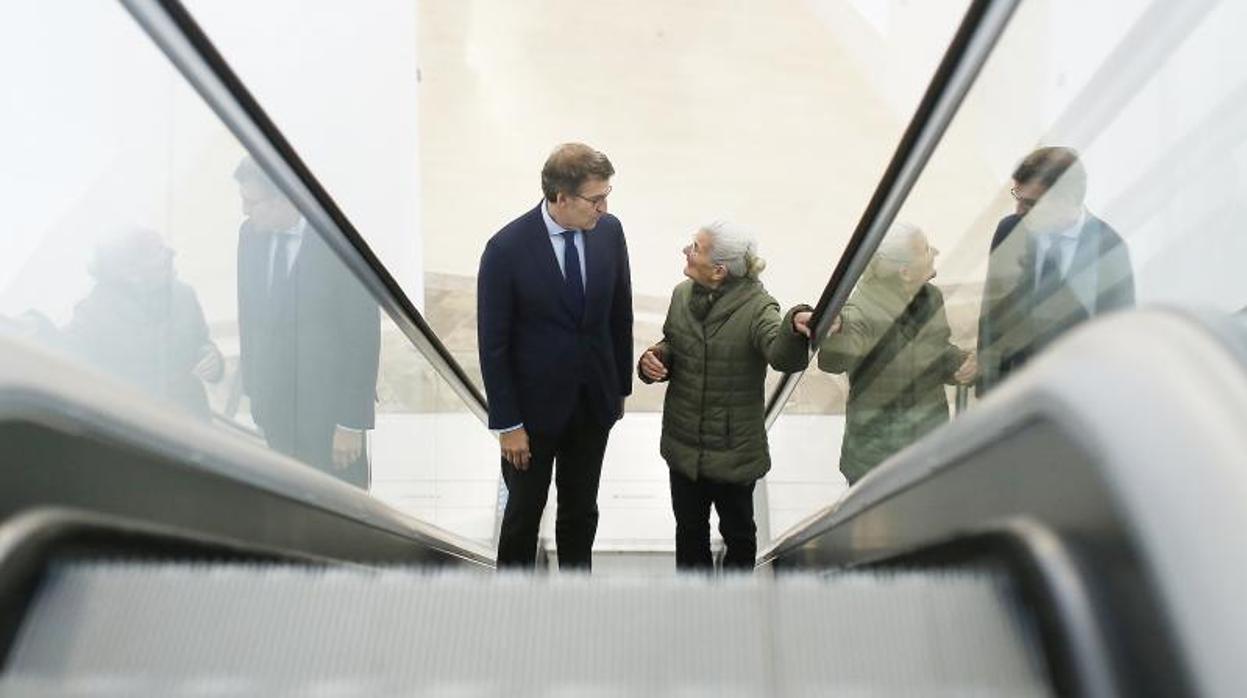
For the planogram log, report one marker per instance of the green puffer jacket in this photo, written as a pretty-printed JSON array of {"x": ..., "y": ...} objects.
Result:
[
  {"x": 898, "y": 356},
  {"x": 712, "y": 422}
]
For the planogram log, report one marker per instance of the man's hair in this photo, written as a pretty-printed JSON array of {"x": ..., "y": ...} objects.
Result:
[
  {"x": 249, "y": 172},
  {"x": 734, "y": 248},
  {"x": 896, "y": 250},
  {"x": 1053, "y": 164},
  {"x": 569, "y": 166}
]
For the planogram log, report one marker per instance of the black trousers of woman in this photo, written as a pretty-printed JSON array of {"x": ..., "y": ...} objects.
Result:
[{"x": 691, "y": 501}]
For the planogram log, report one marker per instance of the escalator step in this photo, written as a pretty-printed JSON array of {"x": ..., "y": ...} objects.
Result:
[{"x": 121, "y": 628}]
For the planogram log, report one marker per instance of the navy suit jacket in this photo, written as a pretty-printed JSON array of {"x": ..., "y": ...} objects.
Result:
[
  {"x": 1015, "y": 322},
  {"x": 309, "y": 356},
  {"x": 536, "y": 355}
]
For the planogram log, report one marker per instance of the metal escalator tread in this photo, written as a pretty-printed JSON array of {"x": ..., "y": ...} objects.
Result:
[{"x": 120, "y": 628}]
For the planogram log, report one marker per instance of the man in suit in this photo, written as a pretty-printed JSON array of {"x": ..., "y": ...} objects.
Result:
[
  {"x": 1052, "y": 265},
  {"x": 310, "y": 335},
  {"x": 554, "y": 302}
]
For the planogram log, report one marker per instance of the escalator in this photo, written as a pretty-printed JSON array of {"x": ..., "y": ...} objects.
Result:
[
  {"x": 1076, "y": 532},
  {"x": 1062, "y": 575},
  {"x": 273, "y": 630}
]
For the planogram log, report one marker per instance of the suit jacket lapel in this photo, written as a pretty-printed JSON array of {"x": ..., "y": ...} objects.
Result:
[
  {"x": 596, "y": 267},
  {"x": 543, "y": 258},
  {"x": 1083, "y": 277},
  {"x": 307, "y": 268},
  {"x": 256, "y": 258}
]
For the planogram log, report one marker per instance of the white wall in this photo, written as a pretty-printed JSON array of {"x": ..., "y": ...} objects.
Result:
[{"x": 340, "y": 81}]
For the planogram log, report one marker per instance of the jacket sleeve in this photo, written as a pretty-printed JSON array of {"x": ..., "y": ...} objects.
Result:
[
  {"x": 621, "y": 319},
  {"x": 247, "y": 326},
  {"x": 664, "y": 347},
  {"x": 842, "y": 351},
  {"x": 951, "y": 356},
  {"x": 201, "y": 336},
  {"x": 361, "y": 334},
  {"x": 954, "y": 356},
  {"x": 1000, "y": 292},
  {"x": 494, "y": 289},
  {"x": 1118, "y": 282},
  {"x": 785, "y": 349}
]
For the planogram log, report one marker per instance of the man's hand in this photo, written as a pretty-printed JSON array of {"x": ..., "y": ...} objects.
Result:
[
  {"x": 801, "y": 322},
  {"x": 348, "y": 444},
  {"x": 515, "y": 448},
  {"x": 968, "y": 371},
  {"x": 652, "y": 366}
]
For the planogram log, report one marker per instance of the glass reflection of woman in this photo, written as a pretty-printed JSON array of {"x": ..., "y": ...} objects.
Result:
[{"x": 141, "y": 324}]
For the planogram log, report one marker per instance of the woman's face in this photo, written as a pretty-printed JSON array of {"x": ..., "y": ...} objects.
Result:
[{"x": 698, "y": 265}]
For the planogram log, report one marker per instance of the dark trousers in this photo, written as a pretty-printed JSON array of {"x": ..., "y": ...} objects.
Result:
[
  {"x": 578, "y": 452},
  {"x": 691, "y": 501}
]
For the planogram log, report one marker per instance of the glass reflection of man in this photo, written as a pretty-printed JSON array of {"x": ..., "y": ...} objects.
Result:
[
  {"x": 1053, "y": 265},
  {"x": 893, "y": 339},
  {"x": 309, "y": 335},
  {"x": 141, "y": 324}
]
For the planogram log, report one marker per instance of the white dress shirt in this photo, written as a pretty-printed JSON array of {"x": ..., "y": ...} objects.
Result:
[
  {"x": 559, "y": 243},
  {"x": 1066, "y": 239}
]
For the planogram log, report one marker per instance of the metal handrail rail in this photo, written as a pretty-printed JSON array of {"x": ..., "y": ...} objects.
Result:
[
  {"x": 186, "y": 45},
  {"x": 980, "y": 28}
]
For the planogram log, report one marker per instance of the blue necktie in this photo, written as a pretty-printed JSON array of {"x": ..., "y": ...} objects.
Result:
[
  {"x": 572, "y": 281},
  {"x": 1050, "y": 268}
]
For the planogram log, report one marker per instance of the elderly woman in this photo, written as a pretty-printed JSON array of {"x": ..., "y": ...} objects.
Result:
[
  {"x": 141, "y": 324},
  {"x": 893, "y": 340},
  {"x": 721, "y": 332}
]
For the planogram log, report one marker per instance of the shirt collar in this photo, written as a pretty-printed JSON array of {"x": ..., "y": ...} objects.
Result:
[
  {"x": 1073, "y": 231},
  {"x": 551, "y": 226}
]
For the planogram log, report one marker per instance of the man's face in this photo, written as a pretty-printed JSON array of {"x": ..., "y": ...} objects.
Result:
[
  {"x": 1045, "y": 210},
  {"x": 584, "y": 208},
  {"x": 268, "y": 211}
]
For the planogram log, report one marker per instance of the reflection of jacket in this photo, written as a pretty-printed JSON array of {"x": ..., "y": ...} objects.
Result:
[
  {"x": 1017, "y": 320},
  {"x": 897, "y": 353},
  {"x": 309, "y": 350},
  {"x": 149, "y": 338},
  {"x": 712, "y": 421}
]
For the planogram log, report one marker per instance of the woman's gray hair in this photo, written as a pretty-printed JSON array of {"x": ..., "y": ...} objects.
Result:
[
  {"x": 898, "y": 245},
  {"x": 734, "y": 248},
  {"x": 896, "y": 250}
]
